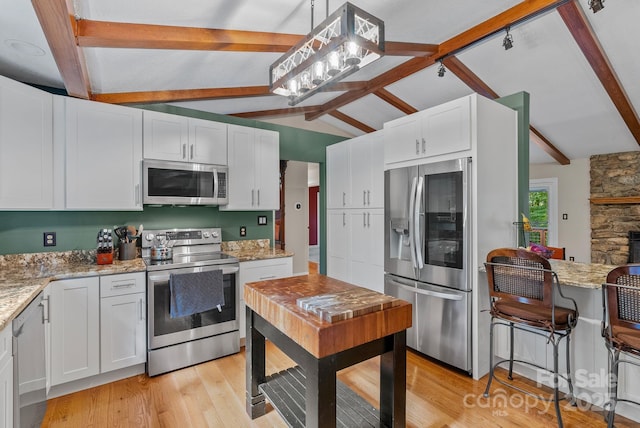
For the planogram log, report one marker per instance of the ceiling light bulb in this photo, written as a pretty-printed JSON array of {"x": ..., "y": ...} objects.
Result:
[
  {"x": 352, "y": 56},
  {"x": 293, "y": 88},
  {"x": 333, "y": 63},
  {"x": 318, "y": 73}
]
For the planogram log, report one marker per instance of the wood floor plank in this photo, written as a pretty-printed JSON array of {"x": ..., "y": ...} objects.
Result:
[{"x": 213, "y": 394}]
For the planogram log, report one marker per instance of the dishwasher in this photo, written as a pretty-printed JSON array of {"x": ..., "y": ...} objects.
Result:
[{"x": 29, "y": 365}]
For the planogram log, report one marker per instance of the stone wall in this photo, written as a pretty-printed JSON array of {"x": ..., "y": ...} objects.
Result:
[{"x": 614, "y": 175}]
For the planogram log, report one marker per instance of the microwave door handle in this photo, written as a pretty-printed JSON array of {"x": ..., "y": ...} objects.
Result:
[
  {"x": 216, "y": 191},
  {"x": 412, "y": 203},
  {"x": 416, "y": 218}
]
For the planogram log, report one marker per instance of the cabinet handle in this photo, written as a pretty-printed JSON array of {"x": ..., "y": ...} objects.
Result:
[
  {"x": 136, "y": 190},
  {"x": 123, "y": 285},
  {"x": 191, "y": 152},
  {"x": 344, "y": 219},
  {"x": 252, "y": 197},
  {"x": 258, "y": 197},
  {"x": 45, "y": 309},
  {"x": 184, "y": 151},
  {"x": 364, "y": 197},
  {"x": 369, "y": 197},
  {"x": 141, "y": 310},
  {"x": 424, "y": 146},
  {"x": 344, "y": 199},
  {"x": 417, "y": 147},
  {"x": 368, "y": 219},
  {"x": 262, "y": 278},
  {"x": 364, "y": 219}
]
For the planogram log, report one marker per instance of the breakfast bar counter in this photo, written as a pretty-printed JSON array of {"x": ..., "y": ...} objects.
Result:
[{"x": 370, "y": 324}]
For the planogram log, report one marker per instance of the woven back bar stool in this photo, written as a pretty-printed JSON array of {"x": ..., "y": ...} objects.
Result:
[
  {"x": 620, "y": 327},
  {"x": 522, "y": 292}
]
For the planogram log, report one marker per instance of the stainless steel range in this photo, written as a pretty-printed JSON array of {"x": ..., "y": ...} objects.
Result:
[{"x": 176, "y": 340}]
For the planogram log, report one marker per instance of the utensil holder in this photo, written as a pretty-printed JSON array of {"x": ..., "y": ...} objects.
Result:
[{"x": 127, "y": 250}]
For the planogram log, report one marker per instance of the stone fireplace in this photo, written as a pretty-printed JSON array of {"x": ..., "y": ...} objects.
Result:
[{"x": 615, "y": 206}]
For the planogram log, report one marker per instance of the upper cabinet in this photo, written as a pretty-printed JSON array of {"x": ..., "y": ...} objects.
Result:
[
  {"x": 355, "y": 177},
  {"x": 26, "y": 147},
  {"x": 436, "y": 131},
  {"x": 179, "y": 138},
  {"x": 254, "y": 169},
  {"x": 103, "y": 156}
]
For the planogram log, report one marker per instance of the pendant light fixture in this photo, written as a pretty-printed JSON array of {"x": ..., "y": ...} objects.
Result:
[{"x": 344, "y": 42}]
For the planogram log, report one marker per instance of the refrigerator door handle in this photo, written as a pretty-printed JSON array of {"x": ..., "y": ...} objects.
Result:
[
  {"x": 412, "y": 223},
  {"x": 439, "y": 295},
  {"x": 416, "y": 219}
]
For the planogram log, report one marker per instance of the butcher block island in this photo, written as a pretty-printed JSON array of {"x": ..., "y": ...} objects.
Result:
[{"x": 362, "y": 324}]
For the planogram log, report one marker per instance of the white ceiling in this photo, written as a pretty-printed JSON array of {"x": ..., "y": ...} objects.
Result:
[{"x": 568, "y": 103}]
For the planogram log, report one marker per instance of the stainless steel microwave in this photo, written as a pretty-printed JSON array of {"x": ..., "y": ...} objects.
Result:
[{"x": 183, "y": 183}]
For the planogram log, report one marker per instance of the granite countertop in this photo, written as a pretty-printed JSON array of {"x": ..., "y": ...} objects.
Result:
[
  {"x": 256, "y": 249},
  {"x": 583, "y": 275},
  {"x": 23, "y": 276}
]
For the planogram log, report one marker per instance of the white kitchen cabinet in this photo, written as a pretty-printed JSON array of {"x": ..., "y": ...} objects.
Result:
[
  {"x": 179, "y": 138},
  {"x": 338, "y": 176},
  {"x": 26, "y": 147},
  {"x": 74, "y": 315},
  {"x": 366, "y": 169},
  {"x": 355, "y": 251},
  {"x": 254, "y": 169},
  {"x": 122, "y": 321},
  {"x": 443, "y": 129},
  {"x": 103, "y": 156},
  {"x": 6, "y": 378},
  {"x": 260, "y": 270}
]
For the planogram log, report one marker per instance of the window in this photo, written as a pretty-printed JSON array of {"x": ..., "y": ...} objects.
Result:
[{"x": 543, "y": 210}]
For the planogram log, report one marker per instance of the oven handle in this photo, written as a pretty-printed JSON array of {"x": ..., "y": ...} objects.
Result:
[{"x": 164, "y": 276}]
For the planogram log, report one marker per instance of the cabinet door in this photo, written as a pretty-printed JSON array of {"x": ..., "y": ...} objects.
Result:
[
  {"x": 267, "y": 167},
  {"x": 241, "y": 189},
  {"x": 366, "y": 245},
  {"x": 447, "y": 128},
  {"x": 338, "y": 232},
  {"x": 338, "y": 176},
  {"x": 6, "y": 379},
  {"x": 360, "y": 171},
  {"x": 402, "y": 139},
  {"x": 74, "y": 317},
  {"x": 26, "y": 147},
  {"x": 165, "y": 137},
  {"x": 103, "y": 156},
  {"x": 207, "y": 142},
  {"x": 376, "y": 146},
  {"x": 122, "y": 331}
]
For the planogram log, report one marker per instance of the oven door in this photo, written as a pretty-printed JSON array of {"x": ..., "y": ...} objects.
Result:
[{"x": 164, "y": 330}]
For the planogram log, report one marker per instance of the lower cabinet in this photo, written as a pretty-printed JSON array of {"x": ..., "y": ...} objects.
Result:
[
  {"x": 97, "y": 324},
  {"x": 261, "y": 270},
  {"x": 123, "y": 322},
  {"x": 355, "y": 250},
  {"x": 75, "y": 327},
  {"x": 6, "y": 378}
]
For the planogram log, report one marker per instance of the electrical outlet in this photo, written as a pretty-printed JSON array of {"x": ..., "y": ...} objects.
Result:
[
  {"x": 243, "y": 231},
  {"x": 572, "y": 259},
  {"x": 262, "y": 220},
  {"x": 49, "y": 239},
  {"x": 565, "y": 216}
]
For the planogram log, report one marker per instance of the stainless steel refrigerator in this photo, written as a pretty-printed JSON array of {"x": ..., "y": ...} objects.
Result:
[{"x": 427, "y": 255}]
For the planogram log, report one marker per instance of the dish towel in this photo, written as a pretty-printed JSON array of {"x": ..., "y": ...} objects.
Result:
[{"x": 192, "y": 293}]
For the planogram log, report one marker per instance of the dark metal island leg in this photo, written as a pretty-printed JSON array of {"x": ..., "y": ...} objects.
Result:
[
  {"x": 255, "y": 368},
  {"x": 320, "y": 395},
  {"x": 393, "y": 382}
]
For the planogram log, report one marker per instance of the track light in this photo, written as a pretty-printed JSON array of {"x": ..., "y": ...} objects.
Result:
[
  {"x": 596, "y": 5},
  {"x": 441, "y": 70},
  {"x": 507, "y": 43}
]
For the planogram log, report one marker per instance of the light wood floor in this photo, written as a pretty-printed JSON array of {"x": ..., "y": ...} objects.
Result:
[{"x": 213, "y": 395}]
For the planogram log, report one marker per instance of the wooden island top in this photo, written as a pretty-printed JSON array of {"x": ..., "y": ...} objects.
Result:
[{"x": 276, "y": 302}]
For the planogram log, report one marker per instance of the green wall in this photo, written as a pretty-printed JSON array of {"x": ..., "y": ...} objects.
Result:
[{"x": 22, "y": 231}]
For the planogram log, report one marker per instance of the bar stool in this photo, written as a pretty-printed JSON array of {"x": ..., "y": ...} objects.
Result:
[
  {"x": 620, "y": 327},
  {"x": 522, "y": 291}
]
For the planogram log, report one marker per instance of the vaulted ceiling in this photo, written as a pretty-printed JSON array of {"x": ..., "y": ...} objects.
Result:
[{"x": 579, "y": 68}]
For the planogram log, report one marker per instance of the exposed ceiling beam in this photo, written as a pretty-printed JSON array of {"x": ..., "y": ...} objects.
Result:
[
  {"x": 519, "y": 12},
  {"x": 275, "y": 112},
  {"x": 465, "y": 74},
  {"x": 582, "y": 32},
  {"x": 181, "y": 95},
  {"x": 351, "y": 121},
  {"x": 56, "y": 20},
  {"x": 395, "y": 101},
  {"x": 106, "y": 34},
  {"x": 146, "y": 36},
  {"x": 203, "y": 94}
]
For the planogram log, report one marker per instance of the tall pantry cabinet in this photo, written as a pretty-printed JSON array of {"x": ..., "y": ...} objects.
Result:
[{"x": 355, "y": 215}]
